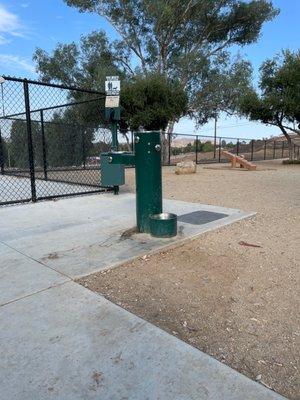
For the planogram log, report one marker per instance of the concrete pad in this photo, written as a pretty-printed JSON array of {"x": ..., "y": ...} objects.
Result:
[
  {"x": 82, "y": 235},
  {"x": 68, "y": 343},
  {"x": 21, "y": 276}
]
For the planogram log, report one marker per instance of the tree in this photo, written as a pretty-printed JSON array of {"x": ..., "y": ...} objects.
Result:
[
  {"x": 68, "y": 142},
  {"x": 222, "y": 88},
  {"x": 150, "y": 102},
  {"x": 207, "y": 147},
  {"x": 3, "y": 152},
  {"x": 83, "y": 65},
  {"x": 185, "y": 40},
  {"x": 18, "y": 145},
  {"x": 278, "y": 101}
]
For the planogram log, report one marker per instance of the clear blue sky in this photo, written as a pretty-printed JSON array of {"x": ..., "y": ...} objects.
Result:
[{"x": 27, "y": 24}]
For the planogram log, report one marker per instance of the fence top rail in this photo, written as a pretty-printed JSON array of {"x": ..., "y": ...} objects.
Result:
[
  {"x": 217, "y": 137},
  {"x": 50, "y": 108},
  {"x": 54, "y": 85}
]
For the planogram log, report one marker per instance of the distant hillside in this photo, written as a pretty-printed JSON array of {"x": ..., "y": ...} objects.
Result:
[{"x": 184, "y": 141}]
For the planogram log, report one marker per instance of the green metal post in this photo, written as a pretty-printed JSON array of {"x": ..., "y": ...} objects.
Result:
[
  {"x": 114, "y": 134},
  {"x": 148, "y": 178}
]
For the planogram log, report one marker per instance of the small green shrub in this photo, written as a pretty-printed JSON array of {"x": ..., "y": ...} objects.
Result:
[{"x": 291, "y": 162}]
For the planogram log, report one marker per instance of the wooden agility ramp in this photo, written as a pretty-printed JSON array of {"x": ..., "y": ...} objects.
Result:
[{"x": 239, "y": 160}]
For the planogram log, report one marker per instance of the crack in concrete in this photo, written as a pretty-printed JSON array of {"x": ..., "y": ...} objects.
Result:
[
  {"x": 38, "y": 261},
  {"x": 33, "y": 293}
]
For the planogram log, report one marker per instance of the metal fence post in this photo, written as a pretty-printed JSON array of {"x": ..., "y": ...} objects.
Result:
[
  {"x": 196, "y": 149},
  {"x": 1, "y": 155},
  {"x": 220, "y": 143},
  {"x": 252, "y": 146},
  {"x": 237, "y": 147},
  {"x": 83, "y": 148},
  {"x": 29, "y": 140},
  {"x": 265, "y": 149},
  {"x": 44, "y": 145},
  {"x": 282, "y": 150},
  {"x": 169, "y": 149},
  {"x": 274, "y": 149}
]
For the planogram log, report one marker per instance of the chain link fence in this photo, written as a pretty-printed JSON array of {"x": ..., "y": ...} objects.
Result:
[
  {"x": 208, "y": 149},
  {"x": 51, "y": 137},
  {"x": 50, "y": 140}
]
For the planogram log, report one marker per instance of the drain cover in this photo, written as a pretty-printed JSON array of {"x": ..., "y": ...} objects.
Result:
[{"x": 200, "y": 217}]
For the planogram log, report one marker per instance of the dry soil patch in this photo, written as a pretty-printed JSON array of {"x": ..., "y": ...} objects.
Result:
[{"x": 236, "y": 302}]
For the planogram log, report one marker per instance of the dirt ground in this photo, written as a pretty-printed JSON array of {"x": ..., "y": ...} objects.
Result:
[{"x": 238, "y": 303}]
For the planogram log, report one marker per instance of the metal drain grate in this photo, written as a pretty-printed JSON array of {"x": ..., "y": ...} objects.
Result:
[{"x": 200, "y": 217}]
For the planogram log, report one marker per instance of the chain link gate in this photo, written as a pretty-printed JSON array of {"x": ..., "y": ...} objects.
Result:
[{"x": 50, "y": 140}]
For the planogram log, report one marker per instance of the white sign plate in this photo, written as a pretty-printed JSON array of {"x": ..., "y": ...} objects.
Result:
[
  {"x": 112, "y": 85},
  {"x": 112, "y": 101}
]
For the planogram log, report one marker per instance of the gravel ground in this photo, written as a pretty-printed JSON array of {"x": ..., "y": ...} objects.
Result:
[{"x": 236, "y": 302}]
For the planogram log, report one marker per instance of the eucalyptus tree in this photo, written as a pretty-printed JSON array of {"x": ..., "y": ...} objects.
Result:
[
  {"x": 187, "y": 41},
  {"x": 183, "y": 39}
]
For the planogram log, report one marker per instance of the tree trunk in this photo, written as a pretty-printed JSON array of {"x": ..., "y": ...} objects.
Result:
[
  {"x": 166, "y": 137},
  {"x": 291, "y": 149},
  {"x": 289, "y": 140},
  {"x": 127, "y": 141}
]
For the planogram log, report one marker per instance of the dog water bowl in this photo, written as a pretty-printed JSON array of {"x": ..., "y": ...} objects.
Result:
[{"x": 163, "y": 225}]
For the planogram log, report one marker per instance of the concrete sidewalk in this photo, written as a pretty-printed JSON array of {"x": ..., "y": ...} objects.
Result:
[
  {"x": 58, "y": 340},
  {"x": 81, "y": 235}
]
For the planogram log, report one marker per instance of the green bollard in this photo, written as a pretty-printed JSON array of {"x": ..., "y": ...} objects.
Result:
[{"x": 148, "y": 178}]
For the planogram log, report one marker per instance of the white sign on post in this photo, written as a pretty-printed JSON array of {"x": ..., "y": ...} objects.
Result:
[
  {"x": 112, "y": 101},
  {"x": 112, "y": 89},
  {"x": 112, "y": 86}
]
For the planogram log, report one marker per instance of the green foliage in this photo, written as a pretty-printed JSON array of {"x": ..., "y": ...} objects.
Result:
[
  {"x": 176, "y": 150},
  {"x": 183, "y": 40},
  {"x": 186, "y": 40},
  {"x": 291, "y": 162},
  {"x": 279, "y": 99},
  {"x": 4, "y": 148},
  {"x": 278, "y": 102},
  {"x": 151, "y": 102},
  {"x": 84, "y": 65},
  {"x": 172, "y": 35},
  {"x": 228, "y": 145},
  {"x": 221, "y": 88},
  {"x": 18, "y": 145},
  {"x": 204, "y": 147},
  {"x": 207, "y": 147},
  {"x": 68, "y": 143}
]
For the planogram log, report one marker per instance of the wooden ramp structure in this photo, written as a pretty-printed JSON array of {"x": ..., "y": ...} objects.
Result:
[{"x": 239, "y": 160}]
